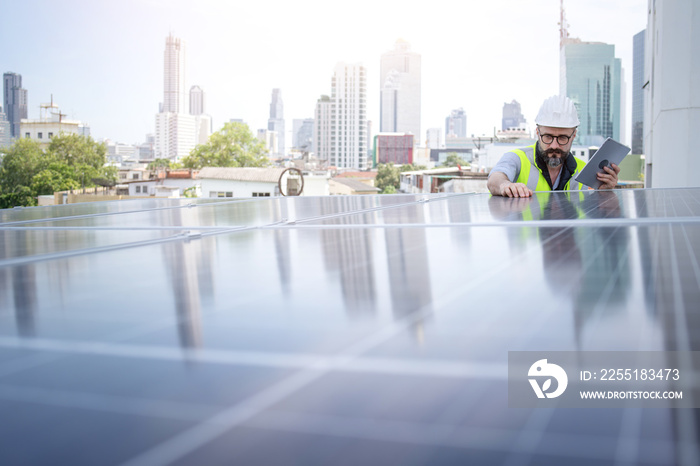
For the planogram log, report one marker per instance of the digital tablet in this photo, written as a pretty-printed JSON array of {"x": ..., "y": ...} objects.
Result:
[{"x": 610, "y": 152}]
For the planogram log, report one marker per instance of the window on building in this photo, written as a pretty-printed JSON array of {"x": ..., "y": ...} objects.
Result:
[
  {"x": 220, "y": 193},
  {"x": 122, "y": 176},
  {"x": 138, "y": 189},
  {"x": 261, "y": 194},
  {"x": 40, "y": 135},
  {"x": 50, "y": 135},
  {"x": 26, "y": 135},
  {"x": 135, "y": 176}
]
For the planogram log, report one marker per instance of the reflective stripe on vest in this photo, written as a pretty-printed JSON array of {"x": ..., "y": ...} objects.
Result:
[{"x": 534, "y": 179}]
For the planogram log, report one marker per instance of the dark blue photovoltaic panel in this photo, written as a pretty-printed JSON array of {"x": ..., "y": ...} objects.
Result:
[{"x": 338, "y": 330}]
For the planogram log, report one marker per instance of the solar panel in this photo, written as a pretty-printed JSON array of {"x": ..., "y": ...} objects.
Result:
[{"x": 338, "y": 330}]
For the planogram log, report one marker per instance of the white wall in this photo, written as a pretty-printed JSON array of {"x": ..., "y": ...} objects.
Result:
[
  {"x": 238, "y": 188},
  {"x": 316, "y": 185},
  {"x": 672, "y": 95}
]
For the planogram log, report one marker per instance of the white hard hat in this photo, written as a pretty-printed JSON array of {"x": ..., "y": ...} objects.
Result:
[{"x": 558, "y": 111}]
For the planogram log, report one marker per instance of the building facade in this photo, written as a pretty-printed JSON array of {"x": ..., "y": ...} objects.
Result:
[
  {"x": 14, "y": 102},
  {"x": 591, "y": 76},
  {"x": 456, "y": 124},
  {"x": 340, "y": 129},
  {"x": 303, "y": 134},
  {"x": 276, "y": 121},
  {"x": 396, "y": 148},
  {"x": 5, "y": 136},
  {"x": 512, "y": 116},
  {"x": 322, "y": 128},
  {"x": 174, "y": 76},
  {"x": 671, "y": 103},
  {"x": 433, "y": 138},
  {"x": 638, "y": 93},
  {"x": 197, "y": 101},
  {"x": 270, "y": 140},
  {"x": 178, "y": 133},
  {"x": 400, "y": 93},
  {"x": 51, "y": 123}
]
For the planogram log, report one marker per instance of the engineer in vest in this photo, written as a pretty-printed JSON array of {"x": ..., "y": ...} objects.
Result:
[{"x": 547, "y": 165}]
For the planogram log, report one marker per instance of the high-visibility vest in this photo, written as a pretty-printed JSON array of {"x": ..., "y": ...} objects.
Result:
[{"x": 535, "y": 180}]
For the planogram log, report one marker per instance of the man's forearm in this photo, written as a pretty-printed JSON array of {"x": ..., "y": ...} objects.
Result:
[{"x": 495, "y": 183}]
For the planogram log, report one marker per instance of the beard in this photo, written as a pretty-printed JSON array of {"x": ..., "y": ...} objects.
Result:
[{"x": 553, "y": 157}]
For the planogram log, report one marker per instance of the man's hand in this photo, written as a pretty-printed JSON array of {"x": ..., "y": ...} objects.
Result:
[
  {"x": 609, "y": 178},
  {"x": 500, "y": 185},
  {"x": 515, "y": 190}
]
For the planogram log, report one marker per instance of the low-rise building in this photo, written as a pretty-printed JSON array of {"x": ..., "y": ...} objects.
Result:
[
  {"x": 162, "y": 181},
  {"x": 350, "y": 186},
  {"x": 51, "y": 123},
  {"x": 222, "y": 182},
  {"x": 437, "y": 180},
  {"x": 396, "y": 148}
]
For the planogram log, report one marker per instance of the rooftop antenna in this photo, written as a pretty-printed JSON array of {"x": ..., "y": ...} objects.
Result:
[{"x": 563, "y": 25}]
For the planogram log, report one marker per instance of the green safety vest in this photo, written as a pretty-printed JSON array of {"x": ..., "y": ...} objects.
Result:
[{"x": 535, "y": 180}]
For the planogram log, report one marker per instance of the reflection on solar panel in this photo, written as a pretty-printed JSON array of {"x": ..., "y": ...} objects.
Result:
[{"x": 337, "y": 330}]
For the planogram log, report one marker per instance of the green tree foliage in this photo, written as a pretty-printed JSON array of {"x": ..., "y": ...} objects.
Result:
[
  {"x": 75, "y": 150},
  {"x": 69, "y": 162},
  {"x": 453, "y": 159},
  {"x": 232, "y": 146},
  {"x": 19, "y": 165},
  {"x": 388, "y": 176},
  {"x": 159, "y": 163},
  {"x": 163, "y": 163}
]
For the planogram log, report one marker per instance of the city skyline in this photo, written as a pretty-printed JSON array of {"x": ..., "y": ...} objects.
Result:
[{"x": 474, "y": 63}]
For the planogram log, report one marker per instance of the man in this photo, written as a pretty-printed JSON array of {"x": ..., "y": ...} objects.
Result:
[{"x": 547, "y": 165}]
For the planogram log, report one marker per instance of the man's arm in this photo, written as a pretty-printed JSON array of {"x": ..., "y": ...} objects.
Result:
[
  {"x": 609, "y": 178},
  {"x": 500, "y": 185}
]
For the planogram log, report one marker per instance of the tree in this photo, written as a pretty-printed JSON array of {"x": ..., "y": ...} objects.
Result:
[
  {"x": 74, "y": 150},
  {"x": 453, "y": 159},
  {"x": 21, "y": 162},
  {"x": 159, "y": 163},
  {"x": 163, "y": 163},
  {"x": 70, "y": 161},
  {"x": 49, "y": 181},
  {"x": 232, "y": 146},
  {"x": 388, "y": 176}
]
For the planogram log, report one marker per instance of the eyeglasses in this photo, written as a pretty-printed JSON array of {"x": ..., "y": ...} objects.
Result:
[{"x": 561, "y": 140}]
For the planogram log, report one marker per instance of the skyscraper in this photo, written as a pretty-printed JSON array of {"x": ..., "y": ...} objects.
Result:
[
  {"x": 174, "y": 74},
  {"x": 323, "y": 122},
  {"x": 303, "y": 131},
  {"x": 400, "y": 94},
  {"x": 14, "y": 101},
  {"x": 638, "y": 93},
  {"x": 591, "y": 76},
  {"x": 197, "y": 101},
  {"x": 276, "y": 120},
  {"x": 340, "y": 128},
  {"x": 456, "y": 124},
  {"x": 5, "y": 138},
  {"x": 178, "y": 131},
  {"x": 433, "y": 138},
  {"x": 512, "y": 116}
]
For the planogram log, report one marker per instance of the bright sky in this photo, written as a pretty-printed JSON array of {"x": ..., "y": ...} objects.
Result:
[{"x": 103, "y": 62}]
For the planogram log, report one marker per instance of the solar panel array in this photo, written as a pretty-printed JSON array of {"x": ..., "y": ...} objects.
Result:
[{"x": 337, "y": 330}]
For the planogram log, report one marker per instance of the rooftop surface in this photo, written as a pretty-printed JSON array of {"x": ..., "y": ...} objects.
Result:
[{"x": 338, "y": 330}]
